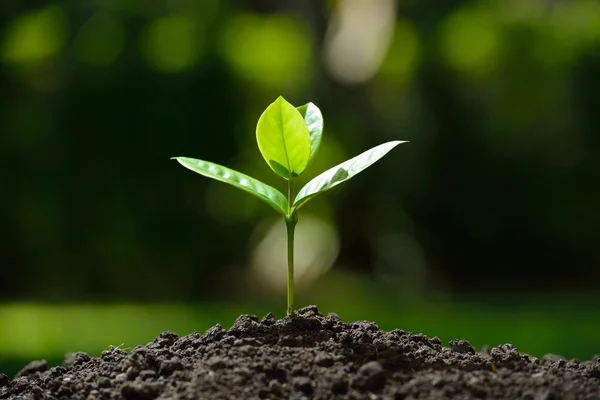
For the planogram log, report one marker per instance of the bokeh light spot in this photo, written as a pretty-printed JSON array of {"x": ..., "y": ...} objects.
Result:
[
  {"x": 35, "y": 36},
  {"x": 100, "y": 40},
  {"x": 316, "y": 249},
  {"x": 571, "y": 29},
  {"x": 579, "y": 21},
  {"x": 173, "y": 43},
  {"x": 358, "y": 39},
  {"x": 471, "y": 41},
  {"x": 272, "y": 51}
]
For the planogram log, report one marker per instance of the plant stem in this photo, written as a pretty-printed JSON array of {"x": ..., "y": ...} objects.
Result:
[{"x": 290, "y": 223}]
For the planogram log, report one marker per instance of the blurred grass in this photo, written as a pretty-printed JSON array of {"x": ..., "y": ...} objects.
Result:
[{"x": 31, "y": 331}]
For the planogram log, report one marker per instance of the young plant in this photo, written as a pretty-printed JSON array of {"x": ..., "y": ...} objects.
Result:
[{"x": 289, "y": 139}]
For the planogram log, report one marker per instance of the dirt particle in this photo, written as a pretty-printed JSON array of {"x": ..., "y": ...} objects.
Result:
[
  {"x": 333, "y": 317},
  {"x": 19, "y": 385},
  {"x": 339, "y": 384},
  {"x": 73, "y": 359},
  {"x": 186, "y": 342},
  {"x": 550, "y": 359},
  {"x": 103, "y": 382},
  {"x": 461, "y": 347},
  {"x": 418, "y": 338},
  {"x": 324, "y": 360},
  {"x": 438, "y": 383},
  {"x": 275, "y": 387},
  {"x": 268, "y": 319},
  {"x": 112, "y": 354},
  {"x": 370, "y": 376},
  {"x": 345, "y": 338},
  {"x": 399, "y": 332},
  {"x": 275, "y": 372},
  {"x": 303, "y": 384},
  {"x": 3, "y": 380},
  {"x": 131, "y": 391},
  {"x": 400, "y": 394},
  {"x": 301, "y": 322},
  {"x": 309, "y": 312},
  {"x": 212, "y": 334},
  {"x": 245, "y": 324},
  {"x": 546, "y": 394},
  {"x": 132, "y": 373},
  {"x": 288, "y": 340},
  {"x": 215, "y": 363},
  {"x": 592, "y": 370},
  {"x": 164, "y": 340},
  {"x": 32, "y": 368},
  {"x": 147, "y": 375},
  {"x": 505, "y": 355},
  {"x": 167, "y": 367}
]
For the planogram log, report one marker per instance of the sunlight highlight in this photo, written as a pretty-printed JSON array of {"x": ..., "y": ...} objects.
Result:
[
  {"x": 358, "y": 39},
  {"x": 272, "y": 51},
  {"x": 173, "y": 43},
  {"x": 316, "y": 249},
  {"x": 471, "y": 41},
  {"x": 35, "y": 36}
]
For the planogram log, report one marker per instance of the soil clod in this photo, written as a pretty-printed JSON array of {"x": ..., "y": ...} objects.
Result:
[
  {"x": 461, "y": 346},
  {"x": 307, "y": 356},
  {"x": 370, "y": 376},
  {"x": 32, "y": 368}
]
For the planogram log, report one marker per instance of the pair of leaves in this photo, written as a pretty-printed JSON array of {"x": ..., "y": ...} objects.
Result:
[{"x": 289, "y": 139}]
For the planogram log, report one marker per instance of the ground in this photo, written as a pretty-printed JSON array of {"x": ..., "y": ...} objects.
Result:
[{"x": 308, "y": 356}]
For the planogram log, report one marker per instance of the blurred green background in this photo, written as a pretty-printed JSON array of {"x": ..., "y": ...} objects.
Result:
[{"x": 486, "y": 226}]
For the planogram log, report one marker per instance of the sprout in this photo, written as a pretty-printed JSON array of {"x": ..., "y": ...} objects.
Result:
[{"x": 288, "y": 139}]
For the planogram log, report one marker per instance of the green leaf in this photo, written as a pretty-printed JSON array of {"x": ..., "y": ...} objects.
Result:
[
  {"x": 266, "y": 193},
  {"x": 283, "y": 139},
  {"x": 314, "y": 120},
  {"x": 342, "y": 172}
]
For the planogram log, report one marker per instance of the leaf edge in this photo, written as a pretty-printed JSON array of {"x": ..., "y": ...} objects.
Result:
[{"x": 280, "y": 208}]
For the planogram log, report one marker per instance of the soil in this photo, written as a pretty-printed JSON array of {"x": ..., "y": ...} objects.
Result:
[{"x": 308, "y": 356}]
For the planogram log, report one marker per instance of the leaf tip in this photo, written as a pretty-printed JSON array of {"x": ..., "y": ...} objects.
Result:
[
  {"x": 395, "y": 143},
  {"x": 279, "y": 100},
  {"x": 180, "y": 160}
]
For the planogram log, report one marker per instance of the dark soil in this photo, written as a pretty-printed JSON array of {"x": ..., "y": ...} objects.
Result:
[{"x": 306, "y": 357}]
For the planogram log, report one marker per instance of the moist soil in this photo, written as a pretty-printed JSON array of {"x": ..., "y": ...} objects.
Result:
[{"x": 308, "y": 356}]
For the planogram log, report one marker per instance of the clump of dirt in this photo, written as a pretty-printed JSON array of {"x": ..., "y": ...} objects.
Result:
[{"x": 308, "y": 356}]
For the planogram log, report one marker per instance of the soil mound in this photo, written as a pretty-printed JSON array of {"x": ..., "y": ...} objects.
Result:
[{"x": 308, "y": 356}]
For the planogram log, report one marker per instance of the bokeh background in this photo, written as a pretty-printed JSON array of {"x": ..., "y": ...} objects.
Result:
[{"x": 486, "y": 226}]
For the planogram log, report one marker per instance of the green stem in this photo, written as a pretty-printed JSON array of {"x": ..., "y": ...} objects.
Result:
[{"x": 290, "y": 223}]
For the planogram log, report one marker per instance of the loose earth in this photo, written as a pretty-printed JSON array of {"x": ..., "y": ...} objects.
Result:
[{"x": 308, "y": 356}]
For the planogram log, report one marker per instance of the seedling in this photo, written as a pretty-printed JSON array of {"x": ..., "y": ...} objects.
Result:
[{"x": 289, "y": 139}]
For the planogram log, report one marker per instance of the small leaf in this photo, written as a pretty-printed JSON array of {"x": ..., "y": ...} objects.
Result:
[
  {"x": 342, "y": 172},
  {"x": 283, "y": 139},
  {"x": 266, "y": 193},
  {"x": 314, "y": 120}
]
